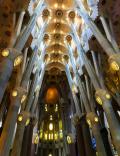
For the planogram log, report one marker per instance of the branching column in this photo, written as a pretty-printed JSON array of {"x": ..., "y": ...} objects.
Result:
[
  {"x": 21, "y": 124},
  {"x": 111, "y": 50},
  {"x": 91, "y": 116},
  {"x": 102, "y": 97},
  {"x": 9, "y": 59}
]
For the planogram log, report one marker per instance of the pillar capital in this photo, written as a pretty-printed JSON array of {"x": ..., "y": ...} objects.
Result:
[
  {"x": 12, "y": 54},
  {"x": 102, "y": 96},
  {"x": 70, "y": 138},
  {"x": 92, "y": 119},
  {"x": 24, "y": 118},
  {"x": 77, "y": 120},
  {"x": 19, "y": 93}
]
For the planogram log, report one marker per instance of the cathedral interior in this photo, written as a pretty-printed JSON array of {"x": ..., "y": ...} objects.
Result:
[{"x": 60, "y": 78}]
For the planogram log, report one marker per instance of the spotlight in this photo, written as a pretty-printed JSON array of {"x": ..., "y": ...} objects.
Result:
[
  {"x": 5, "y": 53},
  {"x": 18, "y": 60},
  {"x": 14, "y": 93},
  {"x": 99, "y": 100},
  {"x": 114, "y": 66}
]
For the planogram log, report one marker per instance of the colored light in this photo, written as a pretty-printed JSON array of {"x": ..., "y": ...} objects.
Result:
[
  {"x": 51, "y": 118},
  {"x": 56, "y": 136},
  {"x": 60, "y": 124},
  {"x": 51, "y": 136},
  {"x": 45, "y": 136},
  {"x": 61, "y": 135},
  {"x": 51, "y": 126},
  {"x": 56, "y": 108},
  {"x": 46, "y": 109},
  {"x": 52, "y": 95},
  {"x": 41, "y": 134}
]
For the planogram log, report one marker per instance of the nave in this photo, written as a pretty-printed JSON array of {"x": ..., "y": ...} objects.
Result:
[{"x": 59, "y": 78}]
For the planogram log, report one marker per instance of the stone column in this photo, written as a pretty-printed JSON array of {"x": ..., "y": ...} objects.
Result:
[
  {"x": 106, "y": 142},
  {"x": 108, "y": 32},
  {"x": 25, "y": 111},
  {"x": 9, "y": 126},
  {"x": 59, "y": 150},
  {"x": 9, "y": 56},
  {"x": 79, "y": 138},
  {"x": 86, "y": 137},
  {"x": 78, "y": 111},
  {"x": 86, "y": 100},
  {"x": 41, "y": 151},
  {"x": 27, "y": 146},
  {"x": 99, "y": 36},
  {"x": 23, "y": 120},
  {"x": 27, "y": 141},
  {"x": 104, "y": 99},
  {"x": 7, "y": 64},
  {"x": 93, "y": 122},
  {"x": 72, "y": 149},
  {"x": 17, "y": 28}
]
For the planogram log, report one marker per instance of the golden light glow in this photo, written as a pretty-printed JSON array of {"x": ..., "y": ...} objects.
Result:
[
  {"x": 61, "y": 134},
  {"x": 41, "y": 134},
  {"x": 56, "y": 5},
  {"x": 89, "y": 122},
  {"x": 114, "y": 66},
  {"x": 56, "y": 108},
  {"x": 23, "y": 98},
  {"x": 96, "y": 119},
  {"x": 60, "y": 124},
  {"x": 51, "y": 136},
  {"x": 74, "y": 88},
  {"x": 108, "y": 96},
  {"x": 27, "y": 122},
  {"x": 69, "y": 140},
  {"x": 50, "y": 154},
  {"x": 36, "y": 141},
  {"x": 99, "y": 100},
  {"x": 52, "y": 95},
  {"x": 46, "y": 109},
  {"x": 20, "y": 118},
  {"x": 63, "y": 6},
  {"x": 45, "y": 136},
  {"x": 14, "y": 93},
  {"x": 51, "y": 118},
  {"x": 18, "y": 60},
  {"x": 51, "y": 126},
  {"x": 56, "y": 136},
  {"x": 5, "y": 53}
]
